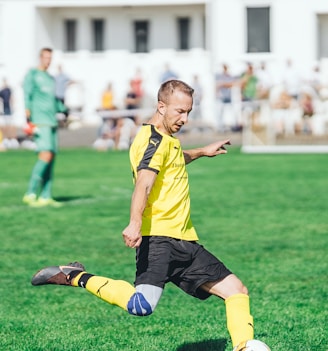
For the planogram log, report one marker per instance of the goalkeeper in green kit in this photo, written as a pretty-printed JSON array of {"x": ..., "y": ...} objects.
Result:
[{"x": 41, "y": 107}]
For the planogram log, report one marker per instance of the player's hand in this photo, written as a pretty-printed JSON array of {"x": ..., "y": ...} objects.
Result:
[
  {"x": 216, "y": 148},
  {"x": 30, "y": 129},
  {"x": 132, "y": 236}
]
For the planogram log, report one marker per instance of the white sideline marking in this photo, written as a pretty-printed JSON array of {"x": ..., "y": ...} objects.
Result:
[{"x": 285, "y": 149}]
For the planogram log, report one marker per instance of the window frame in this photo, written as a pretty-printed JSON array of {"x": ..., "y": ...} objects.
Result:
[
  {"x": 258, "y": 36},
  {"x": 70, "y": 34},
  {"x": 183, "y": 24},
  {"x": 141, "y": 42},
  {"x": 98, "y": 39}
]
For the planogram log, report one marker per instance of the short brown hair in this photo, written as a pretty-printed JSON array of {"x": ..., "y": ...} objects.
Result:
[
  {"x": 45, "y": 50},
  {"x": 170, "y": 86}
]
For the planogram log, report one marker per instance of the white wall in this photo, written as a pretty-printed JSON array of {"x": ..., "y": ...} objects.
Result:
[
  {"x": 119, "y": 25},
  {"x": 293, "y": 32},
  {"x": 26, "y": 26},
  {"x": 18, "y": 48},
  {"x": 94, "y": 70}
]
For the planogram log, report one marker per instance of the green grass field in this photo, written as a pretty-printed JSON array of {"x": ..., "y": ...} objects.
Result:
[{"x": 265, "y": 216}]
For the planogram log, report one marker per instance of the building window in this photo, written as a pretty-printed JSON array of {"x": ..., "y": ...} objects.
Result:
[
  {"x": 70, "y": 35},
  {"x": 322, "y": 36},
  {"x": 258, "y": 29},
  {"x": 141, "y": 36},
  {"x": 98, "y": 29},
  {"x": 204, "y": 33},
  {"x": 183, "y": 33}
]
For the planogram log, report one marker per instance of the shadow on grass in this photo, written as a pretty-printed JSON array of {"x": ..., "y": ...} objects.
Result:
[
  {"x": 72, "y": 198},
  {"x": 206, "y": 345}
]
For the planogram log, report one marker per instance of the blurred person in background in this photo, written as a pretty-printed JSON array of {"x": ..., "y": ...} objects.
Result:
[
  {"x": 307, "y": 107},
  {"x": 62, "y": 81},
  {"x": 168, "y": 74},
  {"x": 107, "y": 98},
  {"x": 118, "y": 131},
  {"x": 137, "y": 85},
  {"x": 248, "y": 83},
  {"x": 224, "y": 81},
  {"x": 105, "y": 131},
  {"x": 281, "y": 107},
  {"x": 127, "y": 125},
  {"x": 264, "y": 82},
  {"x": 292, "y": 79},
  {"x": 8, "y": 130},
  {"x": 196, "y": 113},
  {"x": 249, "y": 87},
  {"x": 316, "y": 81},
  {"x": 132, "y": 98},
  {"x": 6, "y": 97},
  {"x": 41, "y": 107}
]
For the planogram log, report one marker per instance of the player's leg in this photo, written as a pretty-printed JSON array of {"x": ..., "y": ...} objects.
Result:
[
  {"x": 41, "y": 165},
  {"x": 116, "y": 292},
  {"x": 235, "y": 294},
  {"x": 46, "y": 192},
  {"x": 43, "y": 179},
  {"x": 139, "y": 301},
  {"x": 207, "y": 276},
  {"x": 35, "y": 181},
  {"x": 50, "y": 144},
  {"x": 152, "y": 258}
]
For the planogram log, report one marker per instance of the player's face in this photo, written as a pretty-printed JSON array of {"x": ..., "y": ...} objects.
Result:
[
  {"x": 45, "y": 59},
  {"x": 176, "y": 111}
]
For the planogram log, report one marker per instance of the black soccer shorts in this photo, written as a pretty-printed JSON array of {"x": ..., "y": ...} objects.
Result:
[{"x": 187, "y": 264}]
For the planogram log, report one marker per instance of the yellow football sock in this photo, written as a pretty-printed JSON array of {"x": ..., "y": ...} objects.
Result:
[
  {"x": 115, "y": 292},
  {"x": 239, "y": 319}
]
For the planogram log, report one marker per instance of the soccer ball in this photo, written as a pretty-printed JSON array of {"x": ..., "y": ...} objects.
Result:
[{"x": 252, "y": 345}]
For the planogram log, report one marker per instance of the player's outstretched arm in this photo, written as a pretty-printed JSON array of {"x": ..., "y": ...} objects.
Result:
[
  {"x": 211, "y": 150},
  {"x": 144, "y": 183}
]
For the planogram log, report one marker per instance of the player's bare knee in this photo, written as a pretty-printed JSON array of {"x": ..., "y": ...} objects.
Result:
[{"x": 244, "y": 290}]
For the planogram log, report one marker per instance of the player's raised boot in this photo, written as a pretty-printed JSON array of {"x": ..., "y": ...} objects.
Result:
[{"x": 60, "y": 275}]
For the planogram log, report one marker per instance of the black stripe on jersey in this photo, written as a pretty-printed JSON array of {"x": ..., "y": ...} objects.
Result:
[{"x": 154, "y": 142}]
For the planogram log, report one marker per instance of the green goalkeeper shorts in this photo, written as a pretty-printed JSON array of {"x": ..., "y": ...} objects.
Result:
[{"x": 46, "y": 139}]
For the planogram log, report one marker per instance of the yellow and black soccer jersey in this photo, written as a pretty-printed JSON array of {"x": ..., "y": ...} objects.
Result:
[{"x": 167, "y": 211}]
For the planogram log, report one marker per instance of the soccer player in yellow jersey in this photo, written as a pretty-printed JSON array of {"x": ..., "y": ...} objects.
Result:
[{"x": 161, "y": 229}]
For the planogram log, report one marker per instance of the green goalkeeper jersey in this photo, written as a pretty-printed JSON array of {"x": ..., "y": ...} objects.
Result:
[{"x": 39, "y": 94}]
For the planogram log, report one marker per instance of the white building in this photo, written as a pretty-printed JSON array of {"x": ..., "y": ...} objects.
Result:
[{"x": 101, "y": 41}]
